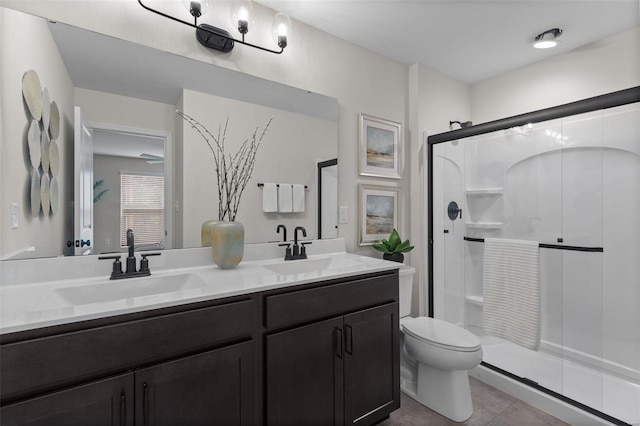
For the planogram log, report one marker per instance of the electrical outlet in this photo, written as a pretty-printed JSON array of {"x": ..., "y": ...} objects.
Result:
[
  {"x": 14, "y": 215},
  {"x": 344, "y": 211}
]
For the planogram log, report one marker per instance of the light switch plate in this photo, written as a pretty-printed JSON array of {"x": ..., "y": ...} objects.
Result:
[{"x": 344, "y": 211}]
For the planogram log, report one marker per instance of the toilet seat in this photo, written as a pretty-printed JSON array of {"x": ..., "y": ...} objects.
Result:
[{"x": 441, "y": 334}]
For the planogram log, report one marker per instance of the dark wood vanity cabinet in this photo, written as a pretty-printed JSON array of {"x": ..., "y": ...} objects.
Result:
[
  {"x": 166, "y": 367},
  {"x": 216, "y": 387},
  {"x": 341, "y": 370},
  {"x": 105, "y": 402},
  {"x": 324, "y": 353}
]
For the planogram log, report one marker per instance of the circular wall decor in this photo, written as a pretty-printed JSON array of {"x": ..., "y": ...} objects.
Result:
[
  {"x": 35, "y": 192},
  {"x": 46, "y": 109},
  {"x": 54, "y": 121},
  {"x": 44, "y": 151},
  {"x": 44, "y": 193},
  {"x": 54, "y": 158},
  {"x": 33, "y": 141},
  {"x": 53, "y": 194},
  {"x": 32, "y": 93}
]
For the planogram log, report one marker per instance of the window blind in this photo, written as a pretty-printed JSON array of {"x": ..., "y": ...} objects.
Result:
[{"x": 142, "y": 208}]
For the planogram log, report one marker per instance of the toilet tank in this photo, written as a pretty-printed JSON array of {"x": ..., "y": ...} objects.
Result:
[{"x": 406, "y": 289}]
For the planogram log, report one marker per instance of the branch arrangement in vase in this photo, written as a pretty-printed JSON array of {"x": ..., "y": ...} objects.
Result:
[{"x": 233, "y": 171}]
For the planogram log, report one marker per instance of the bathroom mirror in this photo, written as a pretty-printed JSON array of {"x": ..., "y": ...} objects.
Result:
[{"x": 130, "y": 89}]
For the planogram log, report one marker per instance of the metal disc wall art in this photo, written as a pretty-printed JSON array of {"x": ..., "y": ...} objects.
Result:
[
  {"x": 44, "y": 154},
  {"x": 32, "y": 93},
  {"x": 46, "y": 109},
  {"x": 44, "y": 151},
  {"x": 54, "y": 124},
  {"x": 54, "y": 158},
  {"x": 35, "y": 192},
  {"x": 33, "y": 141}
]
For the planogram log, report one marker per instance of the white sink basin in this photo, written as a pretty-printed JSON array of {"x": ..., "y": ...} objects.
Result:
[{"x": 129, "y": 288}]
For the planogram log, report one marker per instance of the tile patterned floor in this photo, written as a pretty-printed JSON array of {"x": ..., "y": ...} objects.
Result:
[{"x": 492, "y": 407}]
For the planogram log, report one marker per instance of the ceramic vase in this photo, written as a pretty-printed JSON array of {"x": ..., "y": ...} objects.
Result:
[
  {"x": 395, "y": 257},
  {"x": 227, "y": 244},
  {"x": 205, "y": 232}
]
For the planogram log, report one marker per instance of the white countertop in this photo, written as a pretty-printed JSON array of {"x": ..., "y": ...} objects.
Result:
[{"x": 41, "y": 303}]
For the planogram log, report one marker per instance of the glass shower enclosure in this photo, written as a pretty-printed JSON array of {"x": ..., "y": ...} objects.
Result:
[{"x": 568, "y": 179}]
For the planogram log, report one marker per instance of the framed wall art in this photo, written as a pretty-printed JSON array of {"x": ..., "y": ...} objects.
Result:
[
  {"x": 380, "y": 146},
  {"x": 377, "y": 212}
]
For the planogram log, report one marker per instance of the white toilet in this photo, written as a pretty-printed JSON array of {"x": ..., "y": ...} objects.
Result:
[{"x": 434, "y": 358}]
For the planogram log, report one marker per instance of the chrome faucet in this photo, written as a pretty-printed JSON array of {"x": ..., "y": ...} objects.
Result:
[{"x": 131, "y": 272}]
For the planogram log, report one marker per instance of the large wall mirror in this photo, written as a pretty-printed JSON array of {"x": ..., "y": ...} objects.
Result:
[{"x": 120, "y": 99}]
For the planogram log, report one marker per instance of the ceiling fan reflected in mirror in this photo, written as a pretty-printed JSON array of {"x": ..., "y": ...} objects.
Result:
[{"x": 152, "y": 159}]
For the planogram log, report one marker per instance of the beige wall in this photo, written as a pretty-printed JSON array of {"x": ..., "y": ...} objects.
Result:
[
  {"x": 47, "y": 233},
  {"x": 435, "y": 99}
]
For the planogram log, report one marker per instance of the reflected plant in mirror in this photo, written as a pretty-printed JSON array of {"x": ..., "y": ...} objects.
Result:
[{"x": 233, "y": 171}]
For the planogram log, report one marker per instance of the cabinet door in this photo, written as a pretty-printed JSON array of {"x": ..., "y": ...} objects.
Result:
[
  {"x": 371, "y": 364},
  {"x": 304, "y": 375},
  {"x": 215, "y": 387},
  {"x": 106, "y": 402}
]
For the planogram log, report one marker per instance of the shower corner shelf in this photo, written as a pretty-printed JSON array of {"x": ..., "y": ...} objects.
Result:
[
  {"x": 484, "y": 225},
  {"x": 485, "y": 191},
  {"x": 475, "y": 300}
]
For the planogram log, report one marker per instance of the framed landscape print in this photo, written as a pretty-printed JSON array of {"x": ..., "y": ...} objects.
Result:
[
  {"x": 377, "y": 212},
  {"x": 380, "y": 143}
]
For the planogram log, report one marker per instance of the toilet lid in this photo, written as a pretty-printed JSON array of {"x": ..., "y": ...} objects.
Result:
[{"x": 441, "y": 333}]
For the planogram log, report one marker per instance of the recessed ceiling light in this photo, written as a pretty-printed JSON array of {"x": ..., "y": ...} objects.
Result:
[{"x": 547, "y": 39}]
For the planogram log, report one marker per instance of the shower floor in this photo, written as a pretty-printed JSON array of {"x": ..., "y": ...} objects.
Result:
[{"x": 613, "y": 395}]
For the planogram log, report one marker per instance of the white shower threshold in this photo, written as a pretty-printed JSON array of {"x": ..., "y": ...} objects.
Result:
[{"x": 610, "y": 394}]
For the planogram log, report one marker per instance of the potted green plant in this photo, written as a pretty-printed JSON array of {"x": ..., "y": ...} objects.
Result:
[{"x": 394, "y": 248}]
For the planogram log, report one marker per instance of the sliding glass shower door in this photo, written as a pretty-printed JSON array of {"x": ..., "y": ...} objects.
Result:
[{"x": 572, "y": 185}]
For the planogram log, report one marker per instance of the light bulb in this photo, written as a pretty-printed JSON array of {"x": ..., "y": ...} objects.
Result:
[
  {"x": 547, "y": 39},
  {"x": 545, "y": 44},
  {"x": 281, "y": 29},
  {"x": 242, "y": 15},
  {"x": 198, "y": 8}
]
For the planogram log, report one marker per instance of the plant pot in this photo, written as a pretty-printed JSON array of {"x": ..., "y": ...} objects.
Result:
[
  {"x": 205, "y": 232},
  {"x": 227, "y": 244},
  {"x": 395, "y": 257}
]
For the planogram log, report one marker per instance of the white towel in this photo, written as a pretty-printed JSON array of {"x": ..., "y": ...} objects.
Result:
[
  {"x": 270, "y": 198},
  {"x": 511, "y": 291},
  {"x": 298, "y": 198},
  {"x": 285, "y": 196}
]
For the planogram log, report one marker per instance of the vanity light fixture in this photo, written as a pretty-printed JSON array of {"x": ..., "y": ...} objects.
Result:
[
  {"x": 547, "y": 39},
  {"x": 221, "y": 40}
]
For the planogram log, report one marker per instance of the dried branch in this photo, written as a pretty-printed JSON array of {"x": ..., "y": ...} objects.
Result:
[{"x": 233, "y": 172}]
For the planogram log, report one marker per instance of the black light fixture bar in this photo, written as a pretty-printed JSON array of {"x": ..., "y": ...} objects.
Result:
[{"x": 218, "y": 43}]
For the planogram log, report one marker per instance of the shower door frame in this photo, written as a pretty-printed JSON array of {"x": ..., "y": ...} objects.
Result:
[{"x": 609, "y": 100}]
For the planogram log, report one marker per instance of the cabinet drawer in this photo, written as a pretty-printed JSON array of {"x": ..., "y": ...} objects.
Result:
[
  {"x": 47, "y": 363},
  {"x": 322, "y": 302}
]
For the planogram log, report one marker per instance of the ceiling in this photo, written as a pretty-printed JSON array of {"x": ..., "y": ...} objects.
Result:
[{"x": 469, "y": 40}]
